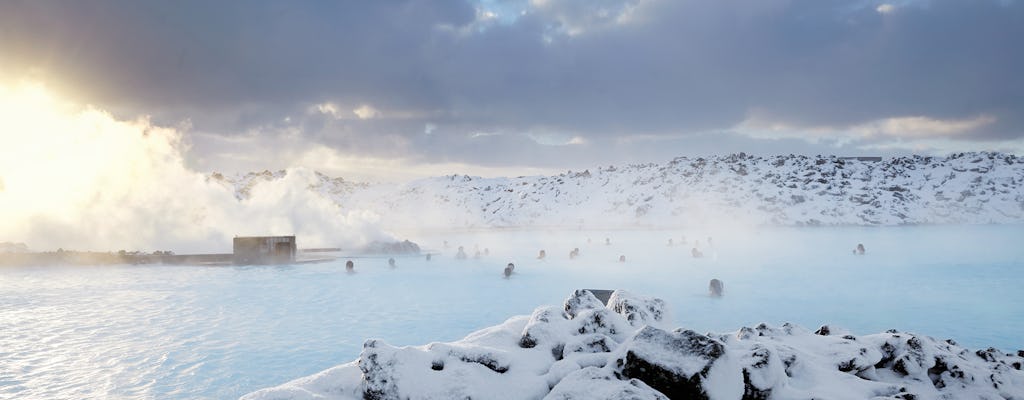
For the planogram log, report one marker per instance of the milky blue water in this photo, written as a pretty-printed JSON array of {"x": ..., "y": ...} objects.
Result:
[{"x": 184, "y": 332}]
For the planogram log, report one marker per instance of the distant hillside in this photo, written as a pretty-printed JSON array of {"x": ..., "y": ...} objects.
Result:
[{"x": 780, "y": 190}]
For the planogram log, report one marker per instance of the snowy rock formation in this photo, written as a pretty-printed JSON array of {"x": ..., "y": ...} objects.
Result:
[
  {"x": 779, "y": 190},
  {"x": 586, "y": 350},
  {"x": 403, "y": 247}
]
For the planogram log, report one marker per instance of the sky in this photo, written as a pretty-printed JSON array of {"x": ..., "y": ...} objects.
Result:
[{"x": 393, "y": 90}]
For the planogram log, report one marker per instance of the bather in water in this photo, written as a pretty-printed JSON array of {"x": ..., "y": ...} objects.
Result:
[
  {"x": 859, "y": 250},
  {"x": 716, "y": 288}
]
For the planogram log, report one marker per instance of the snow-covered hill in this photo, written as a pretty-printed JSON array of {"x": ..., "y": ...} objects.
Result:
[
  {"x": 625, "y": 350},
  {"x": 780, "y": 190}
]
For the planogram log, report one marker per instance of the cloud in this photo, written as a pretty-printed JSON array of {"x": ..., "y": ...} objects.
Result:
[
  {"x": 907, "y": 127},
  {"x": 575, "y": 17},
  {"x": 891, "y": 135},
  {"x": 329, "y": 108},
  {"x": 365, "y": 112},
  {"x": 595, "y": 70},
  {"x": 925, "y": 127}
]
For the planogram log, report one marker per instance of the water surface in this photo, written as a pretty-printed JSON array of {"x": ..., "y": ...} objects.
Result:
[{"x": 220, "y": 332}]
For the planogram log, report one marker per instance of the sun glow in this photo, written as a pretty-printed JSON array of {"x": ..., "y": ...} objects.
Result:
[
  {"x": 56, "y": 153},
  {"x": 75, "y": 176}
]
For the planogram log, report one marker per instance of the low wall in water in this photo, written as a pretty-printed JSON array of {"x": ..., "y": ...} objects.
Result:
[{"x": 101, "y": 258}]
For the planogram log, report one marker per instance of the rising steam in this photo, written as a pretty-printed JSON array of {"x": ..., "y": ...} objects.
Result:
[{"x": 79, "y": 178}]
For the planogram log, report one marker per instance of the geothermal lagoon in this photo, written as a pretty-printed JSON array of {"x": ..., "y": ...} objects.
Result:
[{"x": 184, "y": 332}]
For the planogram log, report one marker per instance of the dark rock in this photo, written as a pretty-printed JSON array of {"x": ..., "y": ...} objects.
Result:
[
  {"x": 761, "y": 372},
  {"x": 638, "y": 310},
  {"x": 581, "y": 300},
  {"x": 595, "y": 343},
  {"x": 945, "y": 370},
  {"x": 486, "y": 360},
  {"x": 853, "y": 359},
  {"x": 888, "y": 355},
  {"x": 912, "y": 360},
  {"x": 378, "y": 382},
  {"x": 539, "y": 328},
  {"x": 599, "y": 321},
  {"x": 673, "y": 363},
  {"x": 988, "y": 354},
  {"x": 558, "y": 351},
  {"x": 594, "y": 383}
]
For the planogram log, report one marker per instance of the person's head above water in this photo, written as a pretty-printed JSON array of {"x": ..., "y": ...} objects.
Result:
[
  {"x": 716, "y": 287},
  {"x": 350, "y": 265},
  {"x": 391, "y": 262}
]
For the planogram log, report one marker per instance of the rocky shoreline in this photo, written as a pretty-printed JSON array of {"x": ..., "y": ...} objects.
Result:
[{"x": 625, "y": 349}]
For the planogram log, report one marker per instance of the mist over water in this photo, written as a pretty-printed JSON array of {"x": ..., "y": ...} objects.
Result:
[{"x": 219, "y": 332}]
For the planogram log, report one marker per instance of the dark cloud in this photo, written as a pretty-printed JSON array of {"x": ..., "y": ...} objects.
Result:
[{"x": 604, "y": 70}]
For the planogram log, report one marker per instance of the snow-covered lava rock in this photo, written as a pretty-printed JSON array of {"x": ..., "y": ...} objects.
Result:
[
  {"x": 794, "y": 190},
  {"x": 625, "y": 350}
]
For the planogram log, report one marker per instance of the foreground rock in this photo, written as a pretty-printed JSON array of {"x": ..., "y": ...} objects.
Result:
[{"x": 586, "y": 350}]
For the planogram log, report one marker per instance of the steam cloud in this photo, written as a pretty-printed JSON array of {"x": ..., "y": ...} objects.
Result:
[{"x": 79, "y": 178}]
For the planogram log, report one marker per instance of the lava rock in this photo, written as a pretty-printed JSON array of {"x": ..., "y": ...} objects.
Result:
[
  {"x": 580, "y": 300},
  {"x": 674, "y": 363},
  {"x": 638, "y": 310},
  {"x": 377, "y": 364},
  {"x": 595, "y": 383},
  {"x": 543, "y": 327}
]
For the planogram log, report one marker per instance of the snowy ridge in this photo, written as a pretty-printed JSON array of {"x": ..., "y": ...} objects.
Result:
[
  {"x": 780, "y": 190},
  {"x": 586, "y": 350}
]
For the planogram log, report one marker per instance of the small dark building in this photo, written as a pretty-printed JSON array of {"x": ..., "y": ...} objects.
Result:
[{"x": 264, "y": 249}]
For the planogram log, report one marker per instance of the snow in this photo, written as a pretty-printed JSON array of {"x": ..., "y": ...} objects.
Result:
[
  {"x": 786, "y": 362},
  {"x": 789, "y": 190}
]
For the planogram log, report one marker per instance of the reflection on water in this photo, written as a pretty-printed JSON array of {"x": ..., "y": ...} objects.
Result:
[{"x": 219, "y": 332}]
